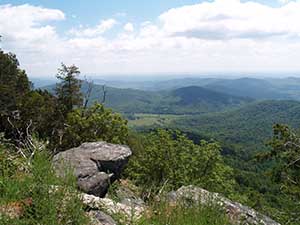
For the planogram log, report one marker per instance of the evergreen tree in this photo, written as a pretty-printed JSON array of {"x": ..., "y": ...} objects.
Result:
[
  {"x": 68, "y": 90},
  {"x": 13, "y": 83}
]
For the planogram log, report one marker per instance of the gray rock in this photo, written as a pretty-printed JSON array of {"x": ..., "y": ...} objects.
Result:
[
  {"x": 127, "y": 193},
  {"x": 100, "y": 218},
  {"x": 128, "y": 214},
  {"x": 96, "y": 165},
  {"x": 236, "y": 212}
]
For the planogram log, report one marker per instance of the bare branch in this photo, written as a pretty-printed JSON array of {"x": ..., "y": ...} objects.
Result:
[
  {"x": 291, "y": 143},
  {"x": 104, "y": 94},
  {"x": 88, "y": 93}
]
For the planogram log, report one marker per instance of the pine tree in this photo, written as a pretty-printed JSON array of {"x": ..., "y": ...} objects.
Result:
[
  {"x": 13, "y": 82},
  {"x": 68, "y": 90}
]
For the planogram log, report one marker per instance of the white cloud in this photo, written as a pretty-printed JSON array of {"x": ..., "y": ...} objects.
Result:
[
  {"x": 28, "y": 23},
  {"x": 230, "y": 19},
  {"x": 26, "y": 32},
  {"x": 129, "y": 27},
  {"x": 219, "y": 36},
  {"x": 101, "y": 28}
]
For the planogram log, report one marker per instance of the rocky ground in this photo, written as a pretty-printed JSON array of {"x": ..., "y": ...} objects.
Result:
[{"x": 97, "y": 165}]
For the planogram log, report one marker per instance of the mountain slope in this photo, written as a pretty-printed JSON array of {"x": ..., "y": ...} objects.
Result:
[
  {"x": 248, "y": 87},
  {"x": 195, "y": 100},
  {"x": 246, "y": 128},
  {"x": 195, "y": 95},
  {"x": 188, "y": 100},
  {"x": 156, "y": 85}
]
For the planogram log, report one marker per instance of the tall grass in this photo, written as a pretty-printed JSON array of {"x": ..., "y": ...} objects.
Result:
[
  {"x": 166, "y": 214},
  {"x": 50, "y": 199}
]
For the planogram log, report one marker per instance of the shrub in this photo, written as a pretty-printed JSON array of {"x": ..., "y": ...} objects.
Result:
[
  {"x": 169, "y": 159},
  {"x": 95, "y": 124}
]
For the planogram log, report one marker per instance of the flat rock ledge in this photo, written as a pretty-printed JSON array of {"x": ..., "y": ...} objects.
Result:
[
  {"x": 236, "y": 212},
  {"x": 96, "y": 165}
]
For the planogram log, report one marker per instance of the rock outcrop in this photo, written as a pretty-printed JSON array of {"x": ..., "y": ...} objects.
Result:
[
  {"x": 96, "y": 165},
  {"x": 128, "y": 214},
  {"x": 237, "y": 213},
  {"x": 100, "y": 218},
  {"x": 127, "y": 193}
]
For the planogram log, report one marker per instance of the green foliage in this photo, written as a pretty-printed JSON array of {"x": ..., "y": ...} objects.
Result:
[
  {"x": 285, "y": 154},
  {"x": 189, "y": 100},
  {"x": 40, "y": 107},
  {"x": 94, "y": 124},
  {"x": 68, "y": 90},
  {"x": 246, "y": 129},
  {"x": 49, "y": 199},
  {"x": 244, "y": 133},
  {"x": 171, "y": 160},
  {"x": 163, "y": 213},
  {"x": 13, "y": 82},
  {"x": 23, "y": 110}
]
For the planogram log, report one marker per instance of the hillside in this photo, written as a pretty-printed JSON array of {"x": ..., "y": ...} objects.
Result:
[
  {"x": 196, "y": 95},
  {"x": 195, "y": 100},
  {"x": 188, "y": 100},
  {"x": 263, "y": 89},
  {"x": 156, "y": 85},
  {"x": 247, "y": 128},
  {"x": 247, "y": 87}
]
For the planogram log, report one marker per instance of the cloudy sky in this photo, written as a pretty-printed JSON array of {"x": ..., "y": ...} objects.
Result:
[{"x": 153, "y": 37}]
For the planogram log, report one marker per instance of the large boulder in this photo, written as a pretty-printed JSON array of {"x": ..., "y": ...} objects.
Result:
[
  {"x": 96, "y": 165},
  {"x": 237, "y": 213}
]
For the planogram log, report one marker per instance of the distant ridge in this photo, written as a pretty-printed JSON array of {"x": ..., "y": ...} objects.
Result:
[
  {"x": 196, "y": 94},
  {"x": 187, "y": 100}
]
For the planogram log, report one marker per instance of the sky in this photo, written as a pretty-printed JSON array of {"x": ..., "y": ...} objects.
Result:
[{"x": 139, "y": 38}]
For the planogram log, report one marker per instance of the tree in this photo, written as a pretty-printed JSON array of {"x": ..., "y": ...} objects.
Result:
[
  {"x": 13, "y": 83},
  {"x": 286, "y": 153},
  {"x": 92, "y": 124},
  {"x": 40, "y": 107},
  {"x": 285, "y": 158},
  {"x": 169, "y": 159},
  {"x": 68, "y": 90}
]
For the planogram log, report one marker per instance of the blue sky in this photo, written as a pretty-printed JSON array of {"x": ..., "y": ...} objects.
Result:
[
  {"x": 153, "y": 37},
  {"x": 90, "y": 12}
]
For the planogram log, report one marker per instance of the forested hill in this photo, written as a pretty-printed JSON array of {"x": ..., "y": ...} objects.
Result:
[
  {"x": 188, "y": 100},
  {"x": 248, "y": 87},
  {"x": 262, "y": 89},
  {"x": 247, "y": 128},
  {"x": 195, "y": 94}
]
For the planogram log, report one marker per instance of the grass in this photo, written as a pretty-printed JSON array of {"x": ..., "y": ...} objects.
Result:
[
  {"x": 31, "y": 196},
  {"x": 165, "y": 214},
  {"x": 142, "y": 119}
]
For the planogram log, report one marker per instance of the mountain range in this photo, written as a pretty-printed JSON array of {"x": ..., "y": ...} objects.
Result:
[{"x": 186, "y": 100}]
